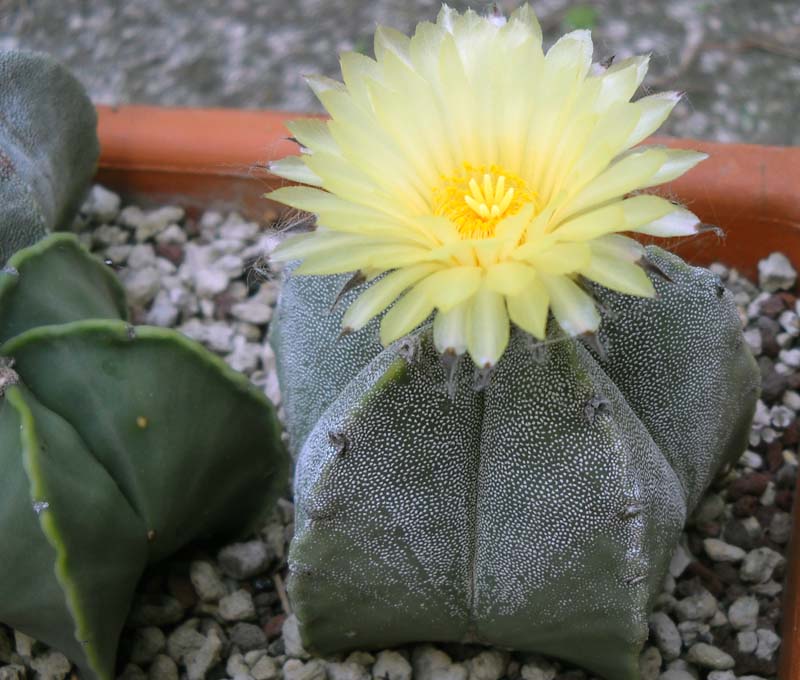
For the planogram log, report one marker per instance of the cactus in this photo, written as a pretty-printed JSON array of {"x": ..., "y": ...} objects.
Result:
[
  {"x": 48, "y": 148},
  {"x": 118, "y": 445},
  {"x": 535, "y": 508}
]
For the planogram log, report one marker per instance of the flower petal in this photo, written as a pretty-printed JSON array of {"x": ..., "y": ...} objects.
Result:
[
  {"x": 405, "y": 315},
  {"x": 618, "y": 275},
  {"x": 680, "y": 222},
  {"x": 529, "y": 309},
  {"x": 450, "y": 329},
  {"x": 313, "y": 134},
  {"x": 382, "y": 293},
  {"x": 574, "y": 309},
  {"x": 678, "y": 161},
  {"x": 509, "y": 278},
  {"x": 487, "y": 327},
  {"x": 295, "y": 170},
  {"x": 653, "y": 111},
  {"x": 589, "y": 225}
]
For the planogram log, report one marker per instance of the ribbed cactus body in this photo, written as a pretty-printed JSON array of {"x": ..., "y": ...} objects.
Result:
[
  {"x": 118, "y": 445},
  {"x": 535, "y": 510},
  {"x": 48, "y": 148}
]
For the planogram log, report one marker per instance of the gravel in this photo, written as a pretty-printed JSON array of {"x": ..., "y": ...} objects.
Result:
[{"x": 223, "y": 615}]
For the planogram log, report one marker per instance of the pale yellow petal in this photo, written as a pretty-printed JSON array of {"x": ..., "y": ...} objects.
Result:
[
  {"x": 561, "y": 258},
  {"x": 357, "y": 69},
  {"x": 594, "y": 223},
  {"x": 313, "y": 134},
  {"x": 451, "y": 286},
  {"x": 678, "y": 162},
  {"x": 487, "y": 327},
  {"x": 368, "y": 255},
  {"x": 529, "y": 309},
  {"x": 574, "y": 310},
  {"x": 632, "y": 172},
  {"x": 382, "y": 293},
  {"x": 450, "y": 329},
  {"x": 295, "y": 170},
  {"x": 391, "y": 41},
  {"x": 509, "y": 278},
  {"x": 525, "y": 15},
  {"x": 571, "y": 55},
  {"x": 620, "y": 81},
  {"x": 618, "y": 246},
  {"x": 644, "y": 209},
  {"x": 679, "y": 222},
  {"x": 618, "y": 275},
  {"x": 406, "y": 314},
  {"x": 513, "y": 227},
  {"x": 653, "y": 111}
]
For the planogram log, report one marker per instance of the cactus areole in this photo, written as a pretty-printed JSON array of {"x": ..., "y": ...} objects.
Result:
[{"x": 504, "y": 444}]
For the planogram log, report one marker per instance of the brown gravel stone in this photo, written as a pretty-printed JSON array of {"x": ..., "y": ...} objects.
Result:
[
  {"x": 753, "y": 484},
  {"x": 745, "y": 506}
]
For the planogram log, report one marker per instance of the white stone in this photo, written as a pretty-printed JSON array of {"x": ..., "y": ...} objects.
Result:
[
  {"x": 768, "y": 643},
  {"x": 101, "y": 205},
  {"x": 391, "y": 665},
  {"x": 649, "y": 664},
  {"x": 206, "y": 581},
  {"x": 743, "y": 613},
  {"x": 51, "y": 665},
  {"x": 681, "y": 559},
  {"x": 747, "y": 641},
  {"x": 294, "y": 669},
  {"x": 210, "y": 282},
  {"x": 776, "y": 273},
  {"x": 141, "y": 285},
  {"x": 291, "y": 639},
  {"x": 346, "y": 670},
  {"x": 720, "y": 551},
  {"x": 172, "y": 234},
  {"x": 697, "y": 607},
  {"x": 489, "y": 664},
  {"x": 238, "y": 606},
  {"x": 759, "y": 565},
  {"x": 708, "y": 656},
  {"x": 163, "y": 312}
]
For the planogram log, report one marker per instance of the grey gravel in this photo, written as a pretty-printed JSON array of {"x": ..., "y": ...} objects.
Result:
[
  {"x": 247, "y": 636},
  {"x": 719, "y": 551},
  {"x": 294, "y": 669},
  {"x": 163, "y": 668},
  {"x": 200, "y": 660},
  {"x": 768, "y": 643},
  {"x": 12, "y": 672},
  {"x": 747, "y": 641},
  {"x": 701, "y": 606},
  {"x": 243, "y": 560},
  {"x": 148, "y": 642},
  {"x": 665, "y": 634},
  {"x": 391, "y": 665},
  {"x": 743, "y": 613},
  {"x": 708, "y": 656},
  {"x": 776, "y": 273},
  {"x": 238, "y": 606},
  {"x": 184, "y": 639},
  {"x": 759, "y": 565},
  {"x": 206, "y": 581},
  {"x": 51, "y": 665}
]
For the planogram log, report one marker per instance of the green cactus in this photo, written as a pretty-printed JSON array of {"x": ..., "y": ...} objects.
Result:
[
  {"x": 48, "y": 148},
  {"x": 119, "y": 445},
  {"x": 535, "y": 509}
]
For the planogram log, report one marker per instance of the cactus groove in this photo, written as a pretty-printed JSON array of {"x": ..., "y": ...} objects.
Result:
[{"x": 538, "y": 512}]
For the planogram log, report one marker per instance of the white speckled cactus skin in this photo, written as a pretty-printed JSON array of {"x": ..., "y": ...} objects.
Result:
[{"x": 539, "y": 513}]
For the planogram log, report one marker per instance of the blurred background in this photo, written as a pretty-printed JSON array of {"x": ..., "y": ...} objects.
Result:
[{"x": 737, "y": 60}]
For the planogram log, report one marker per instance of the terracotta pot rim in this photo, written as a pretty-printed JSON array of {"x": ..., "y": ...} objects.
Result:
[{"x": 207, "y": 157}]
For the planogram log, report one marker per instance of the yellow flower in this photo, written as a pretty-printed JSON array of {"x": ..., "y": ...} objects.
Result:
[{"x": 485, "y": 176}]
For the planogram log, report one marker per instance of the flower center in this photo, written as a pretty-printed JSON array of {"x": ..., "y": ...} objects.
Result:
[{"x": 477, "y": 198}]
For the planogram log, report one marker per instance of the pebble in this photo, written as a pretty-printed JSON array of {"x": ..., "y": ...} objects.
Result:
[
  {"x": 244, "y": 560},
  {"x": 721, "y": 675},
  {"x": 430, "y": 663},
  {"x": 720, "y": 551},
  {"x": 347, "y": 670},
  {"x": 147, "y": 643},
  {"x": 747, "y": 641},
  {"x": 184, "y": 639},
  {"x": 291, "y": 639},
  {"x": 162, "y": 312},
  {"x": 51, "y": 665},
  {"x": 132, "y": 672},
  {"x": 294, "y": 669},
  {"x": 210, "y": 282},
  {"x": 710, "y": 508},
  {"x": 12, "y": 672},
  {"x": 676, "y": 674},
  {"x": 23, "y": 644},
  {"x": 247, "y": 636},
  {"x": 490, "y": 664},
  {"x": 391, "y": 665},
  {"x": 743, "y": 613},
  {"x": 163, "y": 668},
  {"x": 649, "y": 664},
  {"x": 759, "y": 565},
  {"x": 141, "y": 285},
  {"x": 776, "y": 273},
  {"x": 252, "y": 311},
  {"x": 109, "y": 235},
  {"x": 681, "y": 559},
  {"x": 701, "y": 606},
  {"x": 155, "y": 221},
  {"x": 768, "y": 644},
  {"x": 101, "y": 205},
  {"x": 694, "y": 631},
  {"x": 206, "y": 581},
  {"x": 238, "y": 606},
  {"x": 752, "y": 460},
  {"x": 200, "y": 660},
  {"x": 172, "y": 234},
  {"x": 780, "y": 527},
  {"x": 266, "y": 669},
  {"x": 166, "y": 612},
  {"x": 708, "y": 656},
  {"x": 665, "y": 634}
]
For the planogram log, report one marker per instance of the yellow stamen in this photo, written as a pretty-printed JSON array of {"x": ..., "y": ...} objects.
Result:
[{"x": 477, "y": 198}]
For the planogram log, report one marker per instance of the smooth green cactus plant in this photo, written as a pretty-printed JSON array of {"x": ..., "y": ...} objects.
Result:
[
  {"x": 533, "y": 508},
  {"x": 48, "y": 148},
  {"x": 118, "y": 445}
]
